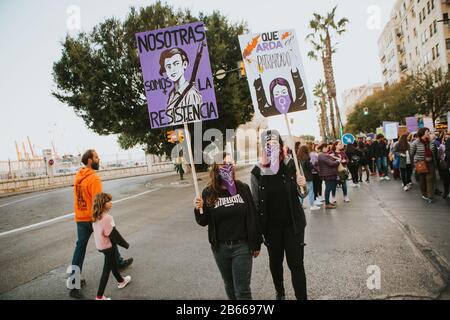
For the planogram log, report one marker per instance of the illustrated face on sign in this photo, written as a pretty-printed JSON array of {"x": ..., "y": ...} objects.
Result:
[
  {"x": 173, "y": 63},
  {"x": 175, "y": 67},
  {"x": 280, "y": 95}
]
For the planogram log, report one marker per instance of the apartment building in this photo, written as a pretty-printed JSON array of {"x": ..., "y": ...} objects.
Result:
[
  {"x": 416, "y": 37},
  {"x": 352, "y": 97}
]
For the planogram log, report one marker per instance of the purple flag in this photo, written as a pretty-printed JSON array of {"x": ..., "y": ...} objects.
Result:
[{"x": 177, "y": 75}]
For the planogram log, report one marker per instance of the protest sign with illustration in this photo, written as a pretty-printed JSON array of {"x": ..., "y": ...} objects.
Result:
[
  {"x": 275, "y": 72},
  {"x": 177, "y": 75}
]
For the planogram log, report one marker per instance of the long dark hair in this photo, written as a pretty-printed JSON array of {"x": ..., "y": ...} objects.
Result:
[
  {"x": 403, "y": 144},
  {"x": 303, "y": 153},
  {"x": 215, "y": 182}
]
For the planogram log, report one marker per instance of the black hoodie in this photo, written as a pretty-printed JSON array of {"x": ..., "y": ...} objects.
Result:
[{"x": 252, "y": 219}]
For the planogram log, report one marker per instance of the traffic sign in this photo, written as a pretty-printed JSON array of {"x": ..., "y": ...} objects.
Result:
[
  {"x": 348, "y": 138},
  {"x": 51, "y": 162}
]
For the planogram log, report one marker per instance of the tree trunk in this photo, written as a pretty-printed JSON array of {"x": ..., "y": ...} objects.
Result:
[
  {"x": 329, "y": 76},
  {"x": 333, "y": 127},
  {"x": 323, "y": 109}
]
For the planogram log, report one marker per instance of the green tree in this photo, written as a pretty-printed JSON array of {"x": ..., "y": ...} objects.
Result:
[
  {"x": 99, "y": 75},
  {"x": 393, "y": 103},
  {"x": 431, "y": 90}
]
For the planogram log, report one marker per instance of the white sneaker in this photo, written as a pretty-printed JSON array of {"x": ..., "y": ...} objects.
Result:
[
  {"x": 381, "y": 178},
  {"x": 319, "y": 198},
  {"x": 387, "y": 178},
  {"x": 102, "y": 298},
  {"x": 405, "y": 188},
  {"x": 317, "y": 203},
  {"x": 126, "y": 280},
  {"x": 346, "y": 199},
  {"x": 410, "y": 184},
  {"x": 314, "y": 208}
]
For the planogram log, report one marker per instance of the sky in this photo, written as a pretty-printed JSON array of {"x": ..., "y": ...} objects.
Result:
[{"x": 31, "y": 33}]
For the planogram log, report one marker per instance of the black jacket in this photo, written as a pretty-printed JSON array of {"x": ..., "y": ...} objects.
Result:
[
  {"x": 260, "y": 196},
  {"x": 307, "y": 169},
  {"x": 380, "y": 149},
  {"x": 116, "y": 238},
  {"x": 253, "y": 225}
]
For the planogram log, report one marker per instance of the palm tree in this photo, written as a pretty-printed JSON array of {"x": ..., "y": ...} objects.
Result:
[
  {"x": 319, "y": 92},
  {"x": 320, "y": 39}
]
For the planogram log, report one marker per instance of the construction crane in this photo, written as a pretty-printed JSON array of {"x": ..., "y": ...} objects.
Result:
[
  {"x": 54, "y": 150},
  {"x": 19, "y": 156},
  {"x": 26, "y": 155},
  {"x": 31, "y": 148}
]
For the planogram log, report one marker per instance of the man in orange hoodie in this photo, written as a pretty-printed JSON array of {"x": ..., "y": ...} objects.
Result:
[{"x": 87, "y": 185}]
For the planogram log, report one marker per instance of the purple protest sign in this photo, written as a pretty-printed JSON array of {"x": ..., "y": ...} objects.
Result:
[
  {"x": 177, "y": 75},
  {"x": 411, "y": 124}
]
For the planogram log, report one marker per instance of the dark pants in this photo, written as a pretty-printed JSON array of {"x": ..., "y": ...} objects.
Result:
[
  {"x": 235, "y": 265},
  {"x": 360, "y": 172},
  {"x": 109, "y": 265},
  {"x": 343, "y": 183},
  {"x": 405, "y": 174},
  {"x": 445, "y": 178},
  {"x": 426, "y": 182},
  {"x": 317, "y": 185},
  {"x": 281, "y": 240},
  {"x": 354, "y": 173},
  {"x": 330, "y": 185},
  {"x": 372, "y": 166},
  {"x": 84, "y": 231}
]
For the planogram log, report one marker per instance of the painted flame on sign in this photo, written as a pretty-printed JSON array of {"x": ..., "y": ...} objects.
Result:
[
  {"x": 250, "y": 47},
  {"x": 285, "y": 35}
]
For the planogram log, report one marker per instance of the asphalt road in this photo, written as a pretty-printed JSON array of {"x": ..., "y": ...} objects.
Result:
[{"x": 382, "y": 226}]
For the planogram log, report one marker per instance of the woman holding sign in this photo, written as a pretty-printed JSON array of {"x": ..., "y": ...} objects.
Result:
[
  {"x": 233, "y": 227},
  {"x": 275, "y": 187}
]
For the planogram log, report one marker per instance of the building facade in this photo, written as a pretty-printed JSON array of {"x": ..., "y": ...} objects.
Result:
[
  {"x": 416, "y": 37},
  {"x": 356, "y": 95}
]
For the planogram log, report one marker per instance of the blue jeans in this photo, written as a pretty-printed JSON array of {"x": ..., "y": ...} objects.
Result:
[
  {"x": 310, "y": 186},
  {"x": 330, "y": 186},
  {"x": 382, "y": 166},
  {"x": 235, "y": 265},
  {"x": 84, "y": 231}
]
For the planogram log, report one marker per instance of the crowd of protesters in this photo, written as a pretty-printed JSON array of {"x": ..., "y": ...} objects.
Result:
[{"x": 422, "y": 156}]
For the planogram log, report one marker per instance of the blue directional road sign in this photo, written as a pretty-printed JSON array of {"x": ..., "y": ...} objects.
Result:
[{"x": 348, "y": 138}]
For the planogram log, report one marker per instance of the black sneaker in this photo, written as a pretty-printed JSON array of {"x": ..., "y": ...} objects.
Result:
[
  {"x": 76, "y": 293},
  {"x": 125, "y": 263},
  {"x": 281, "y": 296}
]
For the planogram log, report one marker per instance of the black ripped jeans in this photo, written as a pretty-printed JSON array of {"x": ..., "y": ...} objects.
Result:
[{"x": 281, "y": 240}]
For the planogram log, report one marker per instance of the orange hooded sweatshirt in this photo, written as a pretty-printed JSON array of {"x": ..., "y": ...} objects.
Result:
[{"x": 87, "y": 186}]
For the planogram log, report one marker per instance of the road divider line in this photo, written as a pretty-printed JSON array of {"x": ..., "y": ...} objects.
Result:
[{"x": 66, "y": 216}]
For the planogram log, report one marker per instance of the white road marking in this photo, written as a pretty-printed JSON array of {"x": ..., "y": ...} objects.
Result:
[
  {"x": 32, "y": 197},
  {"x": 47, "y": 222}
]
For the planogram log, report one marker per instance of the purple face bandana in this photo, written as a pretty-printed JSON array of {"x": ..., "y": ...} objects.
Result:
[
  {"x": 282, "y": 103},
  {"x": 226, "y": 174},
  {"x": 273, "y": 155}
]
